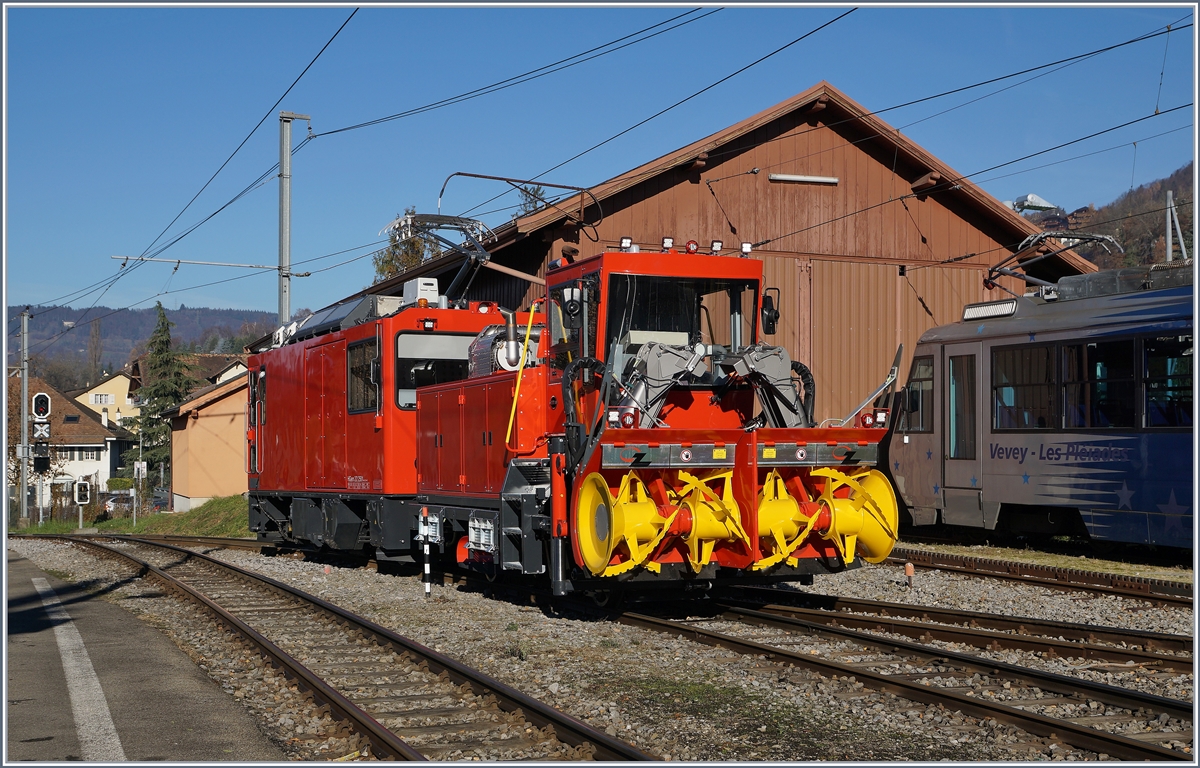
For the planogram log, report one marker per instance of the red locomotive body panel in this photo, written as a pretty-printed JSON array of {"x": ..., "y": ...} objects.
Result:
[{"x": 313, "y": 437}]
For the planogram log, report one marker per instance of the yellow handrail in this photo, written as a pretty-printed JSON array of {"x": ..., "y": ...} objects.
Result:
[{"x": 512, "y": 415}]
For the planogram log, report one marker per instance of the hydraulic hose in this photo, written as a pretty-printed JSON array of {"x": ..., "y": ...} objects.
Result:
[
  {"x": 576, "y": 437},
  {"x": 810, "y": 389}
]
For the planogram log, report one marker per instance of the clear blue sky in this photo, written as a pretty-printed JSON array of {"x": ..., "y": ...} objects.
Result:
[{"x": 116, "y": 117}]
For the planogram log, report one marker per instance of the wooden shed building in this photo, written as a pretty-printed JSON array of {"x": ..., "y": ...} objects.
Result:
[{"x": 834, "y": 201}]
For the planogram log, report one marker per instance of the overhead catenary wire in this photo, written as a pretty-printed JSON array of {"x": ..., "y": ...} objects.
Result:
[
  {"x": 253, "y": 130},
  {"x": 676, "y": 104},
  {"x": 445, "y": 102},
  {"x": 713, "y": 155},
  {"x": 532, "y": 74},
  {"x": 950, "y": 183},
  {"x": 122, "y": 273}
]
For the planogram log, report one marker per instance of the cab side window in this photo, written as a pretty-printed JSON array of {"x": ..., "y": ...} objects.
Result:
[{"x": 918, "y": 405}]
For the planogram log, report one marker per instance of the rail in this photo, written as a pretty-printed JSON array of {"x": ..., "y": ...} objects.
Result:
[{"x": 1160, "y": 590}]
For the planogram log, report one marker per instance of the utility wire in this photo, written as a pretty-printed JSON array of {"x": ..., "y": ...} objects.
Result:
[
  {"x": 854, "y": 118},
  {"x": 435, "y": 105},
  {"x": 532, "y": 74},
  {"x": 673, "y": 106},
  {"x": 269, "y": 112},
  {"x": 950, "y": 183}
]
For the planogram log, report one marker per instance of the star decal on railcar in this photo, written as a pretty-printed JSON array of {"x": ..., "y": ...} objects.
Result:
[
  {"x": 936, "y": 489},
  {"x": 979, "y": 329},
  {"x": 974, "y": 480},
  {"x": 896, "y": 464},
  {"x": 1172, "y": 507},
  {"x": 929, "y": 454},
  {"x": 1033, "y": 337},
  {"x": 1124, "y": 496},
  {"x": 1025, "y": 478}
]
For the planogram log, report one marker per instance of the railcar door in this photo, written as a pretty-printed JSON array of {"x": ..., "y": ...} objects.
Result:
[
  {"x": 256, "y": 412},
  {"x": 962, "y": 437},
  {"x": 325, "y": 415}
]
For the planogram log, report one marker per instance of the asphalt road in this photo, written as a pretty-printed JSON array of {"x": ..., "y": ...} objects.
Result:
[{"x": 89, "y": 681}]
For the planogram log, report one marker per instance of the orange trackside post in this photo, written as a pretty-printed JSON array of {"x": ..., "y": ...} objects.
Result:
[{"x": 558, "y": 496}]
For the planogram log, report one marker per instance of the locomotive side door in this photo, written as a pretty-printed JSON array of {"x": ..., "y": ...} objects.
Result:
[
  {"x": 325, "y": 415},
  {"x": 962, "y": 434}
]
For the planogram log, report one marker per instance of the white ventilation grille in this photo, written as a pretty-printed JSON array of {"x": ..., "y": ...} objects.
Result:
[
  {"x": 991, "y": 309},
  {"x": 481, "y": 534}
]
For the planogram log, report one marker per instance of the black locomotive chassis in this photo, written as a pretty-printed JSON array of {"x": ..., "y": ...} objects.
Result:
[{"x": 520, "y": 541}]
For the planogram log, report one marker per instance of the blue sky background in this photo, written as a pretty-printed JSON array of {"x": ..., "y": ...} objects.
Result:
[{"x": 116, "y": 117}]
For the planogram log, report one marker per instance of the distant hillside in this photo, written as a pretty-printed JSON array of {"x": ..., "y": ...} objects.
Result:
[
  {"x": 124, "y": 332},
  {"x": 1136, "y": 220}
]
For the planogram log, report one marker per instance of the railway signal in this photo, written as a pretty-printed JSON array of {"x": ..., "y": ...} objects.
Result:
[
  {"x": 83, "y": 492},
  {"x": 41, "y": 406}
]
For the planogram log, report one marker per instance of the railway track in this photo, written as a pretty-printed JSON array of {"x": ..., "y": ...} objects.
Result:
[
  {"x": 1156, "y": 650},
  {"x": 408, "y": 701},
  {"x": 1104, "y": 719},
  {"x": 1155, "y": 590}
]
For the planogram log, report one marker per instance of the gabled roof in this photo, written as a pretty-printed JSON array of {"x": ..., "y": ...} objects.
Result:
[
  {"x": 203, "y": 397},
  {"x": 75, "y": 393},
  {"x": 71, "y": 423},
  {"x": 822, "y": 96}
]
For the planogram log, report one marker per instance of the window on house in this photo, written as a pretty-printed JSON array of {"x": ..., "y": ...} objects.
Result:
[
  {"x": 71, "y": 418},
  {"x": 99, "y": 398},
  {"x": 91, "y": 454}
]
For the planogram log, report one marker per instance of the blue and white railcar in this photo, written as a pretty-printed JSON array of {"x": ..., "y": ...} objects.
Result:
[{"x": 1065, "y": 411}]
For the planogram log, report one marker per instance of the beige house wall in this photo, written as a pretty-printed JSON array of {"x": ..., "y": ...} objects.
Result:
[
  {"x": 207, "y": 451},
  {"x": 118, "y": 388}
]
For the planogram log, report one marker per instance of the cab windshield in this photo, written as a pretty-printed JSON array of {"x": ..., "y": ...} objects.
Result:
[{"x": 681, "y": 311}]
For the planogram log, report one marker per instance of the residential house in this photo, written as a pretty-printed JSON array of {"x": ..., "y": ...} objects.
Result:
[
  {"x": 113, "y": 395},
  {"x": 84, "y": 445},
  {"x": 208, "y": 437}
]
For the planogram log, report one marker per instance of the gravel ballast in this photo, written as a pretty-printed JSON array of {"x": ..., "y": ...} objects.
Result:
[{"x": 669, "y": 696}]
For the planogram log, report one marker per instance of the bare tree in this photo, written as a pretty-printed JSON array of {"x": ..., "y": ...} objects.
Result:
[{"x": 95, "y": 350}]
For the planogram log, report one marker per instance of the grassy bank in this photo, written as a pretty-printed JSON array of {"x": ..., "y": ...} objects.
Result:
[{"x": 224, "y": 516}]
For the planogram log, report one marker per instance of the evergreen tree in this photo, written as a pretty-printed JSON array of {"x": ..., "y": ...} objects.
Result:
[
  {"x": 401, "y": 255},
  {"x": 166, "y": 383},
  {"x": 533, "y": 196}
]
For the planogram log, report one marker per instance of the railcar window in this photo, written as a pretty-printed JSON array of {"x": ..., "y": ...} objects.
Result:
[
  {"x": 423, "y": 359},
  {"x": 362, "y": 393},
  {"x": 1168, "y": 381},
  {"x": 252, "y": 415},
  {"x": 1023, "y": 388},
  {"x": 917, "y": 415},
  {"x": 1098, "y": 383},
  {"x": 961, "y": 421},
  {"x": 262, "y": 395},
  {"x": 573, "y": 315}
]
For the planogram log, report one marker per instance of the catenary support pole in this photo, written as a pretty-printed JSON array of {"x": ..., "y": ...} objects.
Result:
[
  {"x": 1170, "y": 231},
  {"x": 24, "y": 489},
  {"x": 285, "y": 213}
]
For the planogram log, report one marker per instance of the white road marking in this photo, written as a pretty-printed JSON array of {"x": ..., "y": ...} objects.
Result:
[{"x": 98, "y": 740}]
